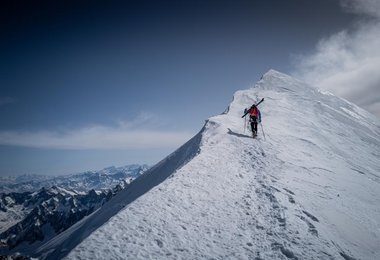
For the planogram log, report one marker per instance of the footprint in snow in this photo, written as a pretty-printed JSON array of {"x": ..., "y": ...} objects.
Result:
[{"x": 160, "y": 244}]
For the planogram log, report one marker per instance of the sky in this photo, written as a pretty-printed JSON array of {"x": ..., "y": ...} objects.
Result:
[{"x": 89, "y": 84}]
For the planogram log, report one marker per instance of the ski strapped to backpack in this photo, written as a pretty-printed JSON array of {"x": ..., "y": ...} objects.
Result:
[
  {"x": 246, "y": 110},
  {"x": 260, "y": 102}
]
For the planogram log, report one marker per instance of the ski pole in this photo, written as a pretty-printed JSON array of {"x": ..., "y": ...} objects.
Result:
[
  {"x": 245, "y": 124},
  {"x": 262, "y": 129}
]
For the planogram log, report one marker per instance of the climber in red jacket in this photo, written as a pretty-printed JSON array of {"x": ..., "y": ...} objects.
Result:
[{"x": 254, "y": 118}]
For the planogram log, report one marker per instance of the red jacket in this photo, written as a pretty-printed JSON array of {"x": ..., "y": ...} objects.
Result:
[{"x": 254, "y": 111}]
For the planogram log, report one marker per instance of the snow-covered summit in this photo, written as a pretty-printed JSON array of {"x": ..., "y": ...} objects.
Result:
[
  {"x": 280, "y": 82},
  {"x": 309, "y": 190}
]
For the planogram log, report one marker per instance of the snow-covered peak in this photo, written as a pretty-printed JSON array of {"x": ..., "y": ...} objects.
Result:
[
  {"x": 281, "y": 82},
  {"x": 58, "y": 190},
  {"x": 275, "y": 73},
  {"x": 309, "y": 189}
]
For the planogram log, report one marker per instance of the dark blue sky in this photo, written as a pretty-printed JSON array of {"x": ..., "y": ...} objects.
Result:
[{"x": 122, "y": 66}]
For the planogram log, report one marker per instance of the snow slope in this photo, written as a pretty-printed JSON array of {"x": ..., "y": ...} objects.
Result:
[
  {"x": 310, "y": 190},
  {"x": 61, "y": 245}
]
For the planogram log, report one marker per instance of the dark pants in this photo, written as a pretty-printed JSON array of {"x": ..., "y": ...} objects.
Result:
[{"x": 253, "y": 121}]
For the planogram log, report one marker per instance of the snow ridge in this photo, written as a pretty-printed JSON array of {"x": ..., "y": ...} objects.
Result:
[{"x": 309, "y": 191}]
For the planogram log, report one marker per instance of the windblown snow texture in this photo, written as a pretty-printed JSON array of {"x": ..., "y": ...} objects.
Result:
[{"x": 310, "y": 191}]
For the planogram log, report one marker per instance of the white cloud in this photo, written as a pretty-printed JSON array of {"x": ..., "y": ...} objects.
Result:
[
  {"x": 123, "y": 136},
  {"x": 347, "y": 63}
]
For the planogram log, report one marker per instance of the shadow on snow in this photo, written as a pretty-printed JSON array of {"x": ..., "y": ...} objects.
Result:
[{"x": 230, "y": 132}]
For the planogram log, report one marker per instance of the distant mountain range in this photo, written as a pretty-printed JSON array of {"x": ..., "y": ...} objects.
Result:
[
  {"x": 37, "y": 207},
  {"x": 80, "y": 182}
]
